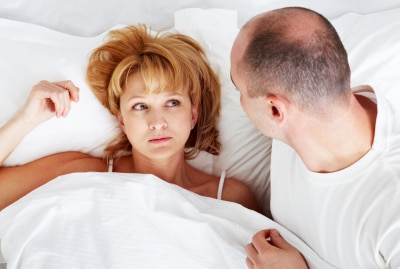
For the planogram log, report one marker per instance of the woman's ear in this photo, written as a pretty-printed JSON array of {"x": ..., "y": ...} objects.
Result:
[
  {"x": 121, "y": 122},
  {"x": 278, "y": 108},
  {"x": 195, "y": 115}
]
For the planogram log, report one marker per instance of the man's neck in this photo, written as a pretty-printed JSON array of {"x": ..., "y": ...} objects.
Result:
[{"x": 332, "y": 145}]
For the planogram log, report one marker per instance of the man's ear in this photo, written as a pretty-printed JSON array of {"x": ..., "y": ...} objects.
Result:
[
  {"x": 121, "y": 122},
  {"x": 278, "y": 108},
  {"x": 195, "y": 115}
]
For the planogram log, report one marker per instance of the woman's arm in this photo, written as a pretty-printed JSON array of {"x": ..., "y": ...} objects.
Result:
[
  {"x": 45, "y": 101},
  {"x": 18, "y": 181}
]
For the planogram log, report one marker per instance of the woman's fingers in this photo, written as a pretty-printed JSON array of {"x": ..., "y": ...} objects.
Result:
[
  {"x": 48, "y": 99},
  {"x": 62, "y": 96},
  {"x": 71, "y": 88},
  {"x": 56, "y": 97}
]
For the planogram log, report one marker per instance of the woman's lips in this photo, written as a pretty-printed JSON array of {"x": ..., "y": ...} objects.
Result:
[{"x": 159, "y": 140}]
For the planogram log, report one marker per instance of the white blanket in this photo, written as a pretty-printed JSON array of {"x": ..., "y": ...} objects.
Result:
[{"x": 115, "y": 220}]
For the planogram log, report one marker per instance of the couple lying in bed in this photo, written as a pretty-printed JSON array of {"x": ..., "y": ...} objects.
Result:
[
  {"x": 167, "y": 102},
  {"x": 335, "y": 132}
]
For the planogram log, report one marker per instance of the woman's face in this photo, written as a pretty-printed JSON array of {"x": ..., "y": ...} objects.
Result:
[{"x": 156, "y": 124}]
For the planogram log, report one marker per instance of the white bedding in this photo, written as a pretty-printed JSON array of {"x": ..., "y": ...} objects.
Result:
[{"x": 115, "y": 220}]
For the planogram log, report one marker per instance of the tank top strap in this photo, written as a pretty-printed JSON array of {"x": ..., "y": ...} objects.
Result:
[
  {"x": 110, "y": 165},
  {"x": 221, "y": 185}
]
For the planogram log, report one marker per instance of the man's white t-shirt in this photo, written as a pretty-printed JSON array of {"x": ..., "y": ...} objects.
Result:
[{"x": 351, "y": 218}]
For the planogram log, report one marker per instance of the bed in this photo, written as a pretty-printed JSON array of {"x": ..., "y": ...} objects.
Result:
[{"x": 112, "y": 220}]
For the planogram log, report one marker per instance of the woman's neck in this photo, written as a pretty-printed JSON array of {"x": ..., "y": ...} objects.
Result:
[{"x": 173, "y": 170}]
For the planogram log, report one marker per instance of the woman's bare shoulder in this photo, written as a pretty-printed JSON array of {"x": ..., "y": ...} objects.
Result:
[{"x": 237, "y": 191}]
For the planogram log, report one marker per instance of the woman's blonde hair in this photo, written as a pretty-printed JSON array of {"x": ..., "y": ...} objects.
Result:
[{"x": 169, "y": 60}]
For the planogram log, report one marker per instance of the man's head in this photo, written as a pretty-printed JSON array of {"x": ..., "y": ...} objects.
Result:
[{"x": 290, "y": 56}]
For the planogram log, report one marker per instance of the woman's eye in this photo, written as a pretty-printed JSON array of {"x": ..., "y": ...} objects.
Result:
[
  {"x": 139, "y": 107},
  {"x": 173, "y": 103}
]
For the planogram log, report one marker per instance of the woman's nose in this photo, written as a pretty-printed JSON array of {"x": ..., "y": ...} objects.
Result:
[{"x": 157, "y": 121}]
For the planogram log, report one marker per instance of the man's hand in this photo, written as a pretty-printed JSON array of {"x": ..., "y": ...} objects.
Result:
[{"x": 269, "y": 250}]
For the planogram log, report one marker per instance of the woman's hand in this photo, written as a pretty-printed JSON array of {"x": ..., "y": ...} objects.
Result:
[
  {"x": 269, "y": 250},
  {"x": 48, "y": 99}
]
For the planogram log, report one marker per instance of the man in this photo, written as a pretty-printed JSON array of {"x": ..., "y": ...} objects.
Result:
[{"x": 335, "y": 167}]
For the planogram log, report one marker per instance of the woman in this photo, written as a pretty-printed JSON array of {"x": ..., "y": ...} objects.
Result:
[{"x": 166, "y": 99}]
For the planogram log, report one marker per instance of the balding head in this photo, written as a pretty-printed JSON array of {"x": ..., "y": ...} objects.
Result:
[
  {"x": 295, "y": 52},
  {"x": 296, "y": 23}
]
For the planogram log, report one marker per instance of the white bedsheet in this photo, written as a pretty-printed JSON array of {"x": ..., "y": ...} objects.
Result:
[{"x": 115, "y": 220}]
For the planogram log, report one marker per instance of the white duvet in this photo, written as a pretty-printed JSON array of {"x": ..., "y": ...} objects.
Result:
[{"x": 115, "y": 220}]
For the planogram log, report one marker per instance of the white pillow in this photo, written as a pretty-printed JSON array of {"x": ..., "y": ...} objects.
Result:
[
  {"x": 31, "y": 53},
  {"x": 373, "y": 45}
]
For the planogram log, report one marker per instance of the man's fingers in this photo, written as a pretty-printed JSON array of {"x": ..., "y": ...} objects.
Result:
[
  {"x": 250, "y": 250},
  {"x": 277, "y": 240},
  {"x": 251, "y": 253},
  {"x": 260, "y": 240},
  {"x": 249, "y": 263},
  {"x": 269, "y": 249}
]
